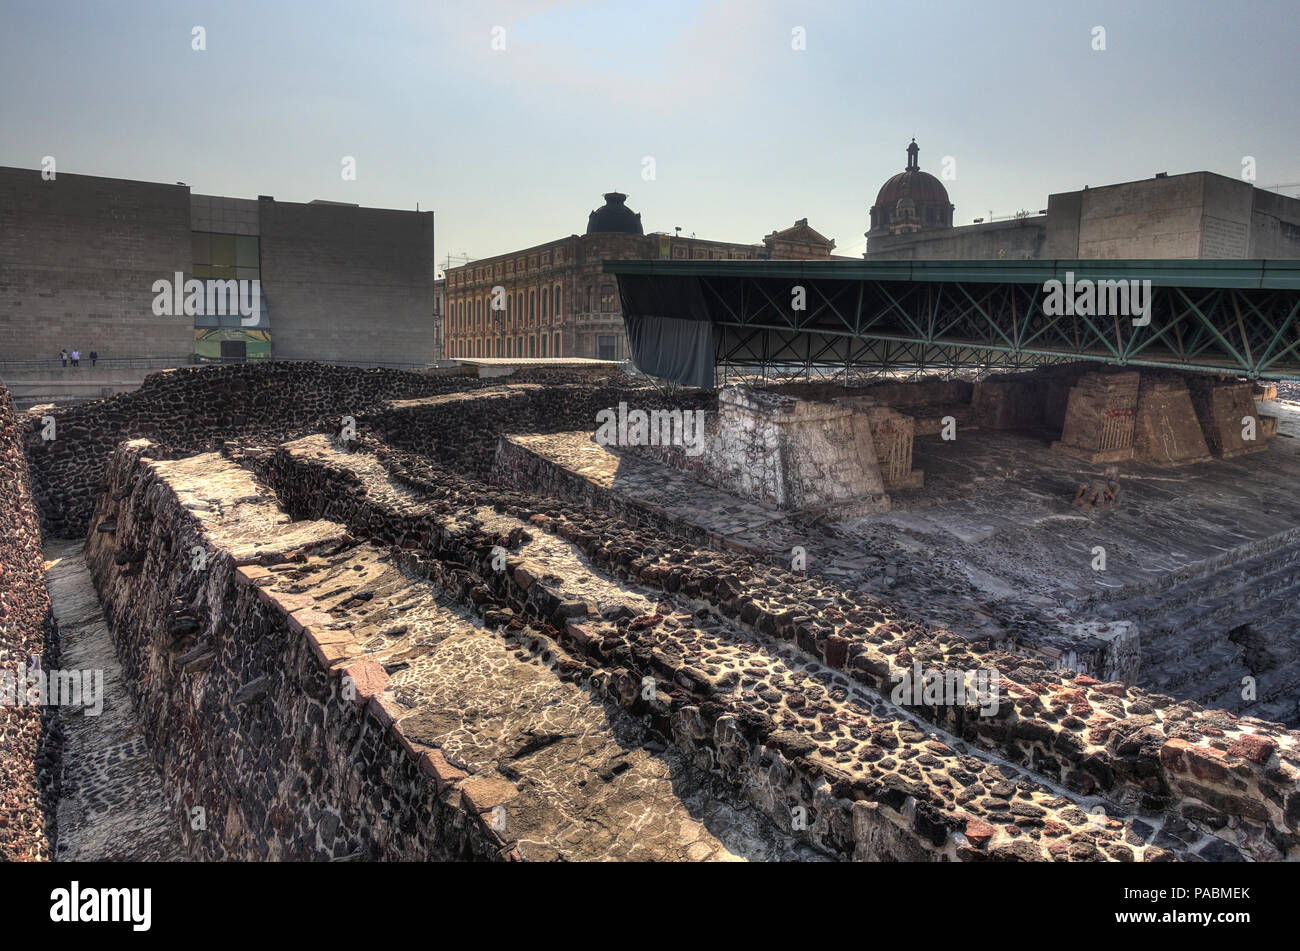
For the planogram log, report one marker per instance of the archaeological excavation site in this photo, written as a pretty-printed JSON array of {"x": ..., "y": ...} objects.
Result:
[{"x": 370, "y": 615}]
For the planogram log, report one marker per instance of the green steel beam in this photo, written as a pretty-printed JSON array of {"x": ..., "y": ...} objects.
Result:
[{"x": 1246, "y": 323}]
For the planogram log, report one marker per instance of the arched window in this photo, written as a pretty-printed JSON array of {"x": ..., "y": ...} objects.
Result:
[
  {"x": 509, "y": 310},
  {"x": 587, "y": 309},
  {"x": 546, "y": 303},
  {"x": 478, "y": 312},
  {"x": 543, "y": 344},
  {"x": 532, "y": 346},
  {"x": 555, "y": 300},
  {"x": 532, "y": 306},
  {"x": 519, "y": 308},
  {"x": 556, "y": 352}
]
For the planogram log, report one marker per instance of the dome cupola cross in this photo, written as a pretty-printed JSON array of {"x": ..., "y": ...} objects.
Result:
[{"x": 912, "y": 200}]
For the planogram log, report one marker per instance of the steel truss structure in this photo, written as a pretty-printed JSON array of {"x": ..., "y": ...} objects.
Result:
[{"x": 1230, "y": 317}]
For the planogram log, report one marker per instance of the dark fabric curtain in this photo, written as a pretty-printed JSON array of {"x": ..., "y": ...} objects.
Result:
[{"x": 668, "y": 328}]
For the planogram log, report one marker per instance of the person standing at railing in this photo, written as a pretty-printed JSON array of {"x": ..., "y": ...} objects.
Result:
[
  {"x": 76, "y": 358},
  {"x": 93, "y": 357},
  {"x": 63, "y": 356}
]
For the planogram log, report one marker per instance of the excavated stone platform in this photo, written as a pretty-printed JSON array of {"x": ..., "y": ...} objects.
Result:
[
  {"x": 833, "y": 730},
  {"x": 499, "y": 735},
  {"x": 393, "y": 648},
  {"x": 112, "y": 807},
  {"x": 578, "y": 779},
  {"x": 991, "y": 547}
]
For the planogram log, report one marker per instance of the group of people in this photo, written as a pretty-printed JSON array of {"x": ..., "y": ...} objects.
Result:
[{"x": 75, "y": 357}]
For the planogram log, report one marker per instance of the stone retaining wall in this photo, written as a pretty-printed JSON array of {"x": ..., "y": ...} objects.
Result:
[
  {"x": 1146, "y": 754},
  {"x": 28, "y": 734},
  {"x": 247, "y": 711},
  {"x": 285, "y": 758},
  {"x": 188, "y": 410}
]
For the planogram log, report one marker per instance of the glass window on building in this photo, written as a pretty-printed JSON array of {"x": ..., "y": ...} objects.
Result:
[
  {"x": 221, "y": 332},
  {"x": 605, "y": 347},
  {"x": 556, "y": 351}
]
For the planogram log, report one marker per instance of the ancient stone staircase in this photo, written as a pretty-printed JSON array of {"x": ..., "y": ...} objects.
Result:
[{"x": 1203, "y": 632}]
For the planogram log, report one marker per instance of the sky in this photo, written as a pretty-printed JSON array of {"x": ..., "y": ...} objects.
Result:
[{"x": 510, "y": 119}]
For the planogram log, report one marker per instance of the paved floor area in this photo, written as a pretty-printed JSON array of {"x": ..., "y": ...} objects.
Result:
[{"x": 113, "y": 807}]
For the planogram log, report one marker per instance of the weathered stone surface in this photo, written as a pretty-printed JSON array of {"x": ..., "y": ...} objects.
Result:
[
  {"x": 390, "y": 656},
  {"x": 29, "y": 735}
]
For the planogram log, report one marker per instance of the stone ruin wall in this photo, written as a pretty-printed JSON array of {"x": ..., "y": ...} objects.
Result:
[
  {"x": 1106, "y": 415},
  {"x": 1160, "y": 761},
  {"x": 191, "y": 409},
  {"x": 1148, "y": 760},
  {"x": 28, "y": 735},
  {"x": 1152, "y": 761},
  {"x": 246, "y": 719},
  {"x": 1100, "y": 416},
  {"x": 1222, "y": 409},
  {"x": 796, "y": 454}
]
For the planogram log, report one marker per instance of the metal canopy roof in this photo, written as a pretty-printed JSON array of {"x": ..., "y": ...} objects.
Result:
[
  {"x": 1237, "y": 317},
  {"x": 1257, "y": 273}
]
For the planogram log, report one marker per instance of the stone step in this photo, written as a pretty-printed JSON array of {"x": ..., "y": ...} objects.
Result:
[
  {"x": 493, "y": 732},
  {"x": 1259, "y": 557},
  {"x": 1251, "y": 580},
  {"x": 1164, "y": 672},
  {"x": 832, "y": 723}
]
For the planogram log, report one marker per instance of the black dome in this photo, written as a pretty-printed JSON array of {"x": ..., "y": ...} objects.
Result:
[{"x": 614, "y": 217}]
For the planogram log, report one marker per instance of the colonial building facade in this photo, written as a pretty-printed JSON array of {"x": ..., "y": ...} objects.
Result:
[{"x": 554, "y": 301}]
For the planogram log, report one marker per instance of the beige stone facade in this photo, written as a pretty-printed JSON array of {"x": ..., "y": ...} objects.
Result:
[{"x": 555, "y": 301}]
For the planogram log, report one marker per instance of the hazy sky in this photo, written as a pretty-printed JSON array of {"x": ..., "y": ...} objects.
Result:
[{"x": 514, "y": 147}]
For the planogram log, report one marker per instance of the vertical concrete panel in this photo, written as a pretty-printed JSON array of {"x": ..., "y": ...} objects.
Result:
[
  {"x": 348, "y": 283},
  {"x": 78, "y": 258},
  {"x": 1063, "y": 226}
]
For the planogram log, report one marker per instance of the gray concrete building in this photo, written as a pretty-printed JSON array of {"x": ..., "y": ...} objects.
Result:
[
  {"x": 1198, "y": 215},
  {"x": 81, "y": 257}
]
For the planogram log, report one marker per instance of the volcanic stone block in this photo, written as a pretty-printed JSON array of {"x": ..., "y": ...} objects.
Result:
[
  {"x": 892, "y": 434},
  {"x": 794, "y": 453},
  {"x": 1228, "y": 416},
  {"x": 1167, "y": 432},
  {"x": 1006, "y": 404},
  {"x": 1027, "y": 401},
  {"x": 1100, "y": 417}
]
